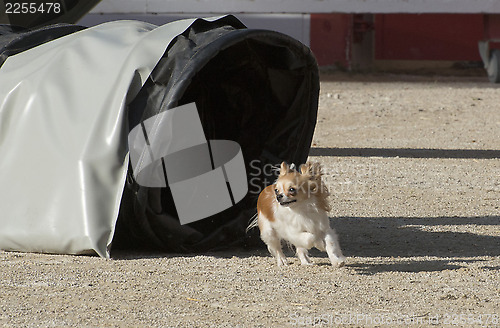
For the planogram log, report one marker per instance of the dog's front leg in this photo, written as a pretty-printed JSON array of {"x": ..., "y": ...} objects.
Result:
[{"x": 333, "y": 249}]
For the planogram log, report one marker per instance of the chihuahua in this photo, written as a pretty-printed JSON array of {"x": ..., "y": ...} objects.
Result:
[{"x": 295, "y": 209}]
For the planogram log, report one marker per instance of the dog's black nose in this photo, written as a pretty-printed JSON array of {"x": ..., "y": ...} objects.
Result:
[{"x": 279, "y": 197}]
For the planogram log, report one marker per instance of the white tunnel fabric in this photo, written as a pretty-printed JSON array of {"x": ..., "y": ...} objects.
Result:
[{"x": 63, "y": 140}]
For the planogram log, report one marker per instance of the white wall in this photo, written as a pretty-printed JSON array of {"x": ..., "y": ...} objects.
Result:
[{"x": 297, "y": 6}]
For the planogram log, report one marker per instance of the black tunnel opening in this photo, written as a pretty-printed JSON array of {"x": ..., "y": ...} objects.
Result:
[{"x": 258, "y": 88}]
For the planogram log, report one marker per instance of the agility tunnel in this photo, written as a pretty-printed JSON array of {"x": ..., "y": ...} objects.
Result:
[{"x": 131, "y": 135}]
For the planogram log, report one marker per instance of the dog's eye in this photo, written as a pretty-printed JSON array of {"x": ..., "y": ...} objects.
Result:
[
  {"x": 276, "y": 191},
  {"x": 292, "y": 191}
]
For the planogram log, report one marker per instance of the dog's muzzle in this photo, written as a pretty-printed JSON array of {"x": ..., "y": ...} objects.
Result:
[{"x": 283, "y": 201}]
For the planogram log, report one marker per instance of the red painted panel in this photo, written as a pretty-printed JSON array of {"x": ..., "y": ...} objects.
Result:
[
  {"x": 492, "y": 26},
  {"x": 331, "y": 38},
  {"x": 428, "y": 36}
]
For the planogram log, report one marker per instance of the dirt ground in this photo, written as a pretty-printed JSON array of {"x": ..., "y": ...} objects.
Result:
[{"x": 413, "y": 166}]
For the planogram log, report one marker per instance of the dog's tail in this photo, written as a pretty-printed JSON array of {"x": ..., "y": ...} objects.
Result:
[{"x": 253, "y": 223}]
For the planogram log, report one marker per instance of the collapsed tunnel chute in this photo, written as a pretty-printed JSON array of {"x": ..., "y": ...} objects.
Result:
[{"x": 70, "y": 96}]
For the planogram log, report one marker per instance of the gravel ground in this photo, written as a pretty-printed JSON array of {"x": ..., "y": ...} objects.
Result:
[{"x": 413, "y": 167}]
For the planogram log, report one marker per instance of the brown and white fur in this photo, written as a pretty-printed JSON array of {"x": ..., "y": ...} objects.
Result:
[{"x": 295, "y": 209}]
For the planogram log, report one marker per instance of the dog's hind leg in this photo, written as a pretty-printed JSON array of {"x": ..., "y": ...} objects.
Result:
[
  {"x": 273, "y": 242},
  {"x": 274, "y": 247},
  {"x": 303, "y": 256}
]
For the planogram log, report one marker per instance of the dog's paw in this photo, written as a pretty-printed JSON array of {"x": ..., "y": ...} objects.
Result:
[
  {"x": 338, "y": 263},
  {"x": 281, "y": 260}
]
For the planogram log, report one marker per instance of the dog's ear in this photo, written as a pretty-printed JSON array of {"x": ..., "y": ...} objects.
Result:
[
  {"x": 284, "y": 168},
  {"x": 305, "y": 168},
  {"x": 317, "y": 170},
  {"x": 314, "y": 172},
  {"x": 312, "y": 169}
]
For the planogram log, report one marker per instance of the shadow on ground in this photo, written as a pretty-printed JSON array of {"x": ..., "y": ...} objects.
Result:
[
  {"x": 404, "y": 266},
  {"x": 449, "y": 238},
  {"x": 440, "y": 236}
]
